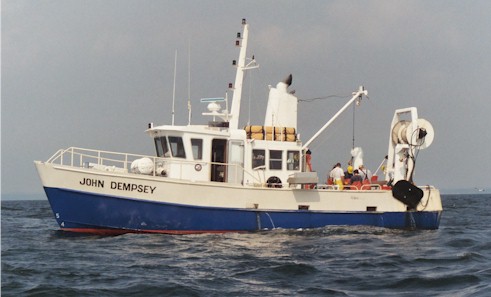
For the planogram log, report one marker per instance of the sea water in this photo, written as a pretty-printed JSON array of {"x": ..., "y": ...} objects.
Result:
[{"x": 40, "y": 260}]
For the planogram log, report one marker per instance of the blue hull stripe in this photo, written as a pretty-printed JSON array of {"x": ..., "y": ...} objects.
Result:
[{"x": 79, "y": 211}]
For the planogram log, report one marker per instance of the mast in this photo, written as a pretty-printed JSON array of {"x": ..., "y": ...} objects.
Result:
[{"x": 239, "y": 77}]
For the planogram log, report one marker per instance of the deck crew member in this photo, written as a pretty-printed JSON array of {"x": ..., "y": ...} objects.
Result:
[
  {"x": 356, "y": 178},
  {"x": 308, "y": 160},
  {"x": 365, "y": 173},
  {"x": 349, "y": 170},
  {"x": 348, "y": 173},
  {"x": 337, "y": 176}
]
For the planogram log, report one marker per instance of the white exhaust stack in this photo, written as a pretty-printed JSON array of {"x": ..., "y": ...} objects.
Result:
[{"x": 282, "y": 106}]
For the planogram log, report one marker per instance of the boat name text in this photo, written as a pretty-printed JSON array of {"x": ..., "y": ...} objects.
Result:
[{"x": 97, "y": 183}]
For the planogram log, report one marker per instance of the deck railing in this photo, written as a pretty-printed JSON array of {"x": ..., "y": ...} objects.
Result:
[
  {"x": 81, "y": 157},
  {"x": 121, "y": 162}
]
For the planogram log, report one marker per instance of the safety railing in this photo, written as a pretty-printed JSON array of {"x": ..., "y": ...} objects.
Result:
[
  {"x": 81, "y": 157},
  {"x": 121, "y": 163},
  {"x": 363, "y": 187}
]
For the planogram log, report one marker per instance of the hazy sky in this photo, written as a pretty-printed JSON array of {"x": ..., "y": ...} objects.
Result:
[{"x": 92, "y": 74}]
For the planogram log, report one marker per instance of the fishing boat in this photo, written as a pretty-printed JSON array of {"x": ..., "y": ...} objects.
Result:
[{"x": 221, "y": 177}]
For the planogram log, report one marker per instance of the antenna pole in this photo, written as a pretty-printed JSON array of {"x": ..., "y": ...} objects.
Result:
[
  {"x": 189, "y": 82},
  {"x": 174, "y": 89}
]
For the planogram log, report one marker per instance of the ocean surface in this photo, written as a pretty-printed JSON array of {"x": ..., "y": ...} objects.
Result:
[{"x": 455, "y": 260}]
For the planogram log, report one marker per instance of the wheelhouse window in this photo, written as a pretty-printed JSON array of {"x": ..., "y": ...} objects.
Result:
[
  {"x": 258, "y": 158},
  {"x": 293, "y": 160},
  {"x": 275, "y": 160},
  {"x": 197, "y": 147},
  {"x": 161, "y": 147},
  {"x": 177, "y": 147}
]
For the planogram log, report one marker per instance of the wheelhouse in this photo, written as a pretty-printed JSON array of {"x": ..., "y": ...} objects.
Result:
[{"x": 215, "y": 154}]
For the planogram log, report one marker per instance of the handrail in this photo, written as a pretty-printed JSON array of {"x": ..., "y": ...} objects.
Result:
[
  {"x": 116, "y": 160},
  {"x": 55, "y": 156},
  {"x": 120, "y": 160},
  {"x": 98, "y": 155},
  {"x": 427, "y": 187},
  {"x": 123, "y": 161},
  {"x": 364, "y": 187}
]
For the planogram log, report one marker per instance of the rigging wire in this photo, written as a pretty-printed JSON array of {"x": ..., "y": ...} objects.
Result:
[
  {"x": 427, "y": 200},
  {"x": 337, "y": 97},
  {"x": 354, "y": 105},
  {"x": 350, "y": 162},
  {"x": 250, "y": 100},
  {"x": 322, "y": 98},
  {"x": 413, "y": 152}
]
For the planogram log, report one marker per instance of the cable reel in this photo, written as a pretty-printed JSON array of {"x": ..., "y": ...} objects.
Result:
[{"x": 419, "y": 133}]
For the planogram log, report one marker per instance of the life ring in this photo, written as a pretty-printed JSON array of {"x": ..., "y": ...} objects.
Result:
[
  {"x": 198, "y": 167},
  {"x": 274, "y": 182}
]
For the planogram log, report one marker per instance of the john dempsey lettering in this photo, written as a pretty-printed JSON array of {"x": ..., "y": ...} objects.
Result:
[
  {"x": 92, "y": 182},
  {"x": 130, "y": 187}
]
